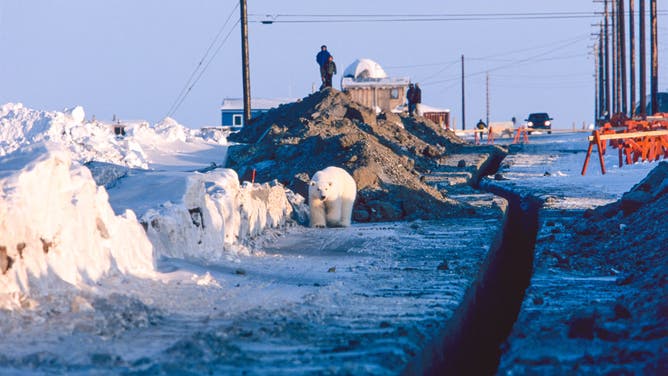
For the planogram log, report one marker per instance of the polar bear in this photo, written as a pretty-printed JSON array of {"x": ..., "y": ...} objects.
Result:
[{"x": 331, "y": 195}]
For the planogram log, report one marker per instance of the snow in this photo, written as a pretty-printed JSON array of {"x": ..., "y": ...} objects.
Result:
[
  {"x": 550, "y": 166},
  {"x": 153, "y": 193},
  {"x": 56, "y": 223},
  {"x": 424, "y": 108},
  {"x": 256, "y": 103},
  {"x": 364, "y": 68}
]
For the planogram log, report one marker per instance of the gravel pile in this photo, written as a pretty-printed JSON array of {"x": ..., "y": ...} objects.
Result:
[{"x": 388, "y": 155}]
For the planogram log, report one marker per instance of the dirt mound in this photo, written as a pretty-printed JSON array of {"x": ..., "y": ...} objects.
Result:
[
  {"x": 626, "y": 239},
  {"x": 387, "y": 154},
  {"x": 627, "y": 235}
]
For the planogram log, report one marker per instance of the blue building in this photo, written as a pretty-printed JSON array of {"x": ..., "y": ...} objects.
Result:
[{"x": 232, "y": 109}]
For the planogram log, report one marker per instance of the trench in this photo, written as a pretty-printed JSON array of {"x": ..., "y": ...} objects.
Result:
[{"x": 470, "y": 343}]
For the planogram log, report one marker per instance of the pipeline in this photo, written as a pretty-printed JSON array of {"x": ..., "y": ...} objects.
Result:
[{"x": 471, "y": 340}]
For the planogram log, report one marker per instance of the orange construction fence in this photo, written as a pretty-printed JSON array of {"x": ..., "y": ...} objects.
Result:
[{"x": 645, "y": 140}]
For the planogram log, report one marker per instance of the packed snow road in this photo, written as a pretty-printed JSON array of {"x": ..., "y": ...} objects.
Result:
[{"x": 359, "y": 300}]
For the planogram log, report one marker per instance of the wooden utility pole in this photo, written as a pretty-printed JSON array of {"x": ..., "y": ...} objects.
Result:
[
  {"x": 597, "y": 81},
  {"x": 622, "y": 56},
  {"x": 601, "y": 78},
  {"x": 487, "y": 97},
  {"x": 244, "y": 62},
  {"x": 632, "y": 52},
  {"x": 655, "y": 57},
  {"x": 463, "y": 98},
  {"x": 606, "y": 63},
  {"x": 617, "y": 89},
  {"x": 642, "y": 77}
]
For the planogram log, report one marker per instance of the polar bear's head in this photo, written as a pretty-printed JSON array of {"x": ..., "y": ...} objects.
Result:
[{"x": 321, "y": 187}]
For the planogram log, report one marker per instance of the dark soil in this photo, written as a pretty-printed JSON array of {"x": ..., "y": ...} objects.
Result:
[
  {"x": 585, "y": 326},
  {"x": 388, "y": 155}
]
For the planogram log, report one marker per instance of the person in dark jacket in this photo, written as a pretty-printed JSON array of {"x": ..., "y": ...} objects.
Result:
[
  {"x": 330, "y": 71},
  {"x": 481, "y": 124},
  {"x": 322, "y": 58},
  {"x": 410, "y": 98},
  {"x": 417, "y": 99}
]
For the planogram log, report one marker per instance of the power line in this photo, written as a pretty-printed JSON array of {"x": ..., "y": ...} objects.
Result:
[
  {"x": 417, "y": 19},
  {"x": 541, "y": 46},
  {"x": 371, "y": 18},
  {"x": 205, "y": 67},
  {"x": 190, "y": 83},
  {"x": 357, "y": 18},
  {"x": 525, "y": 60}
]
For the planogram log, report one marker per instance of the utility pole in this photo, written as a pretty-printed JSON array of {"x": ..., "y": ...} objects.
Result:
[
  {"x": 244, "y": 62},
  {"x": 606, "y": 63},
  {"x": 632, "y": 52},
  {"x": 622, "y": 55},
  {"x": 601, "y": 79},
  {"x": 655, "y": 57},
  {"x": 597, "y": 83},
  {"x": 463, "y": 98},
  {"x": 643, "y": 68},
  {"x": 487, "y": 96},
  {"x": 617, "y": 90}
]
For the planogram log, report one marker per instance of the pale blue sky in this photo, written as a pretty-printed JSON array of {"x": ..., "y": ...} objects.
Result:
[{"x": 132, "y": 58}]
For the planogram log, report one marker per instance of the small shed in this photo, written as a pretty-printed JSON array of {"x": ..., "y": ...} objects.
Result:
[
  {"x": 232, "y": 109},
  {"x": 439, "y": 116},
  {"x": 368, "y": 84}
]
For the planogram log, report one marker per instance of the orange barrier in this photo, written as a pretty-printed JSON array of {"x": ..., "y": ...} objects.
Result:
[
  {"x": 522, "y": 133},
  {"x": 645, "y": 140}
]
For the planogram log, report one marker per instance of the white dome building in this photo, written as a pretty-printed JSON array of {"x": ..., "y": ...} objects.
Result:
[
  {"x": 364, "y": 69},
  {"x": 368, "y": 84}
]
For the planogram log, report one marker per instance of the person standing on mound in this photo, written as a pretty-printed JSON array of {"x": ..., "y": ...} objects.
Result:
[
  {"x": 322, "y": 58},
  {"x": 330, "y": 71}
]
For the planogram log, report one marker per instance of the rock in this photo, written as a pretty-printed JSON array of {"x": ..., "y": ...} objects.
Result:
[
  {"x": 621, "y": 312},
  {"x": 5, "y": 261},
  {"x": 581, "y": 325},
  {"x": 633, "y": 200},
  {"x": 611, "y": 331}
]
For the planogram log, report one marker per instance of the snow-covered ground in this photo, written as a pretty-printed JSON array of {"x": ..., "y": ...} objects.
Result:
[
  {"x": 59, "y": 227},
  {"x": 217, "y": 280},
  {"x": 550, "y": 166}
]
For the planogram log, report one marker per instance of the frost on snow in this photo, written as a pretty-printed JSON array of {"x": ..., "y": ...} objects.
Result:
[
  {"x": 71, "y": 191},
  {"x": 56, "y": 225}
]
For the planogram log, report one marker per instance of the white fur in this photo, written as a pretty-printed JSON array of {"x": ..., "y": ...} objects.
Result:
[{"x": 332, "y": 193}]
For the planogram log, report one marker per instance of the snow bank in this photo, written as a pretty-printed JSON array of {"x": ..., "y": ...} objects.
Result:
[
  {"x": 97, "y": 141},
  {"x": 215, "y": 217},
  {"x": 88, "y": 141},
  {"x": 56, "y": 225}
]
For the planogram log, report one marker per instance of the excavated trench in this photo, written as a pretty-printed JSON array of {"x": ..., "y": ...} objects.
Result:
[{"x": 470, "y": 343}]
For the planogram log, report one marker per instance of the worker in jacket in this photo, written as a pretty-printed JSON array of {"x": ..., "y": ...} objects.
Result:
[
  {"x": 410, "y": 98},
  {"x": 417, "y": 99},
  {"x": 330, "y": 71},
  {"x": 322, "y": 58}
]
